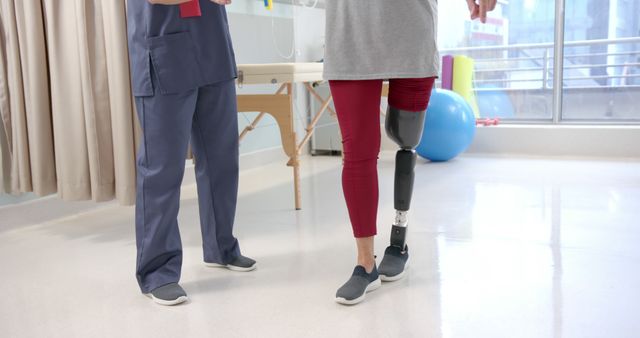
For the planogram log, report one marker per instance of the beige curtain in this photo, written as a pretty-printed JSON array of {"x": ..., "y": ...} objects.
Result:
[
  {"x": 70, "y": 112},
  {"x": 5, "y": 165},
  {"x": 28, "y": 125}
]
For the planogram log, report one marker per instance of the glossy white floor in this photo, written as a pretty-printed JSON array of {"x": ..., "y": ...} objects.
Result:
[{"x": 500, "y": 248}]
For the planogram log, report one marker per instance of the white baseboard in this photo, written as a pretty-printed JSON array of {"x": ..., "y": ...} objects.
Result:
[
  {"x": 248, "y": 161},
  {"x": 263, "y": 157},
  {"x": 576, "y": 141},
  {"x": 613, "y": 142}
]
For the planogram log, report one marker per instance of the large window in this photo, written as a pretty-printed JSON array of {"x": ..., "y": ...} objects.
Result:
[
  {"x": 515, "y": 52},
  {"x": 601, "y": 60}
]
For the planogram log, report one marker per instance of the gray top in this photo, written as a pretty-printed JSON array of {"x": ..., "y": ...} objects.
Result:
[{"x": 381, "y": 39}]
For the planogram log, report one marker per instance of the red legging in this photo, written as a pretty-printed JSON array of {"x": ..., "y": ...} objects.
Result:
[{"x": 358, "y": 107}]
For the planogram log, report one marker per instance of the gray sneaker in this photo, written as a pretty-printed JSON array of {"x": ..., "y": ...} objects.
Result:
[
  {"x": 170, "y": 294},
  {"x": 356, "y": 288},
  {"x": 394, "y": 263},
  {"x": 241, "y": 263}
]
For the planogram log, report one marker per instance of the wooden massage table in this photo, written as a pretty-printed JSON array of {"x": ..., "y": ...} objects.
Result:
[{"x": 280, "y": 105}]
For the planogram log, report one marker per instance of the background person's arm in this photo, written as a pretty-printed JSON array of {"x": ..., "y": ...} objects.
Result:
[{"x": 479, "y": 8}]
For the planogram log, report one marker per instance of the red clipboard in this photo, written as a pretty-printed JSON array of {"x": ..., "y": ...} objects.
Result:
[{"x": 190, "y": 9}]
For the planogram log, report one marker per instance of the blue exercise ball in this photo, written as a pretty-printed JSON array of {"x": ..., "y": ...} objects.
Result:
[{"x": 449, "y": 129}]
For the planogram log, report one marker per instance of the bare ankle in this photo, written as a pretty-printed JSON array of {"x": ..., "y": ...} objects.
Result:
[{"x": 367, "y": 262}]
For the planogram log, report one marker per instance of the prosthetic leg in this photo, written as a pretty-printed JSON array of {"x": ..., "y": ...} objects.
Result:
[{"x": 405, "y": 129}]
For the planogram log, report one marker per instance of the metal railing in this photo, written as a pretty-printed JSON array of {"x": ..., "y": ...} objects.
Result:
[{"x": 530, "y": 66}]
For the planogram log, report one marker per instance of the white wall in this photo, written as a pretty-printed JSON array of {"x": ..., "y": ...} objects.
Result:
[
  {"x": 309, "y": 32},
  {"x": 262, "y": 36}
]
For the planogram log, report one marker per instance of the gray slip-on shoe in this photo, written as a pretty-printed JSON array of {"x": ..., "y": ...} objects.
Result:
[
  {"x": 356, "y": 288},
  {"x": 170, "y": 294},
  {"x": 394, "y": 263},
  {"x": 240, "y": 263}
]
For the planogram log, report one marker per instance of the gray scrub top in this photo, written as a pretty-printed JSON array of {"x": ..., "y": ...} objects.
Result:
[
  {"x": 381, "y": 39},
  {"x": 183, "y": 53}
]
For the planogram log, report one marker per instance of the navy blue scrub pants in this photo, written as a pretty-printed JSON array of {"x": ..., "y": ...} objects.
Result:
[{"x": 207, "y": 116}]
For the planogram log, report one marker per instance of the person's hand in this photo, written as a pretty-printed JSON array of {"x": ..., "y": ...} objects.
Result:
[
  {"x": 479, "y": 8},
  {"x": 222, "y": 2}
]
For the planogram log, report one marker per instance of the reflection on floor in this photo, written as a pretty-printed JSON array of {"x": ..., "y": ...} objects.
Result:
[{"x": 500, "y": 248}]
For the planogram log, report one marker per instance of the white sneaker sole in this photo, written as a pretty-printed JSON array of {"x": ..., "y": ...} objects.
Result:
[
  {"x": 399, "y": 276},
  {"x": 172, "y": 302},
  {"x": 231, "y": 267},
  {"x": 371, "y": 287}
]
